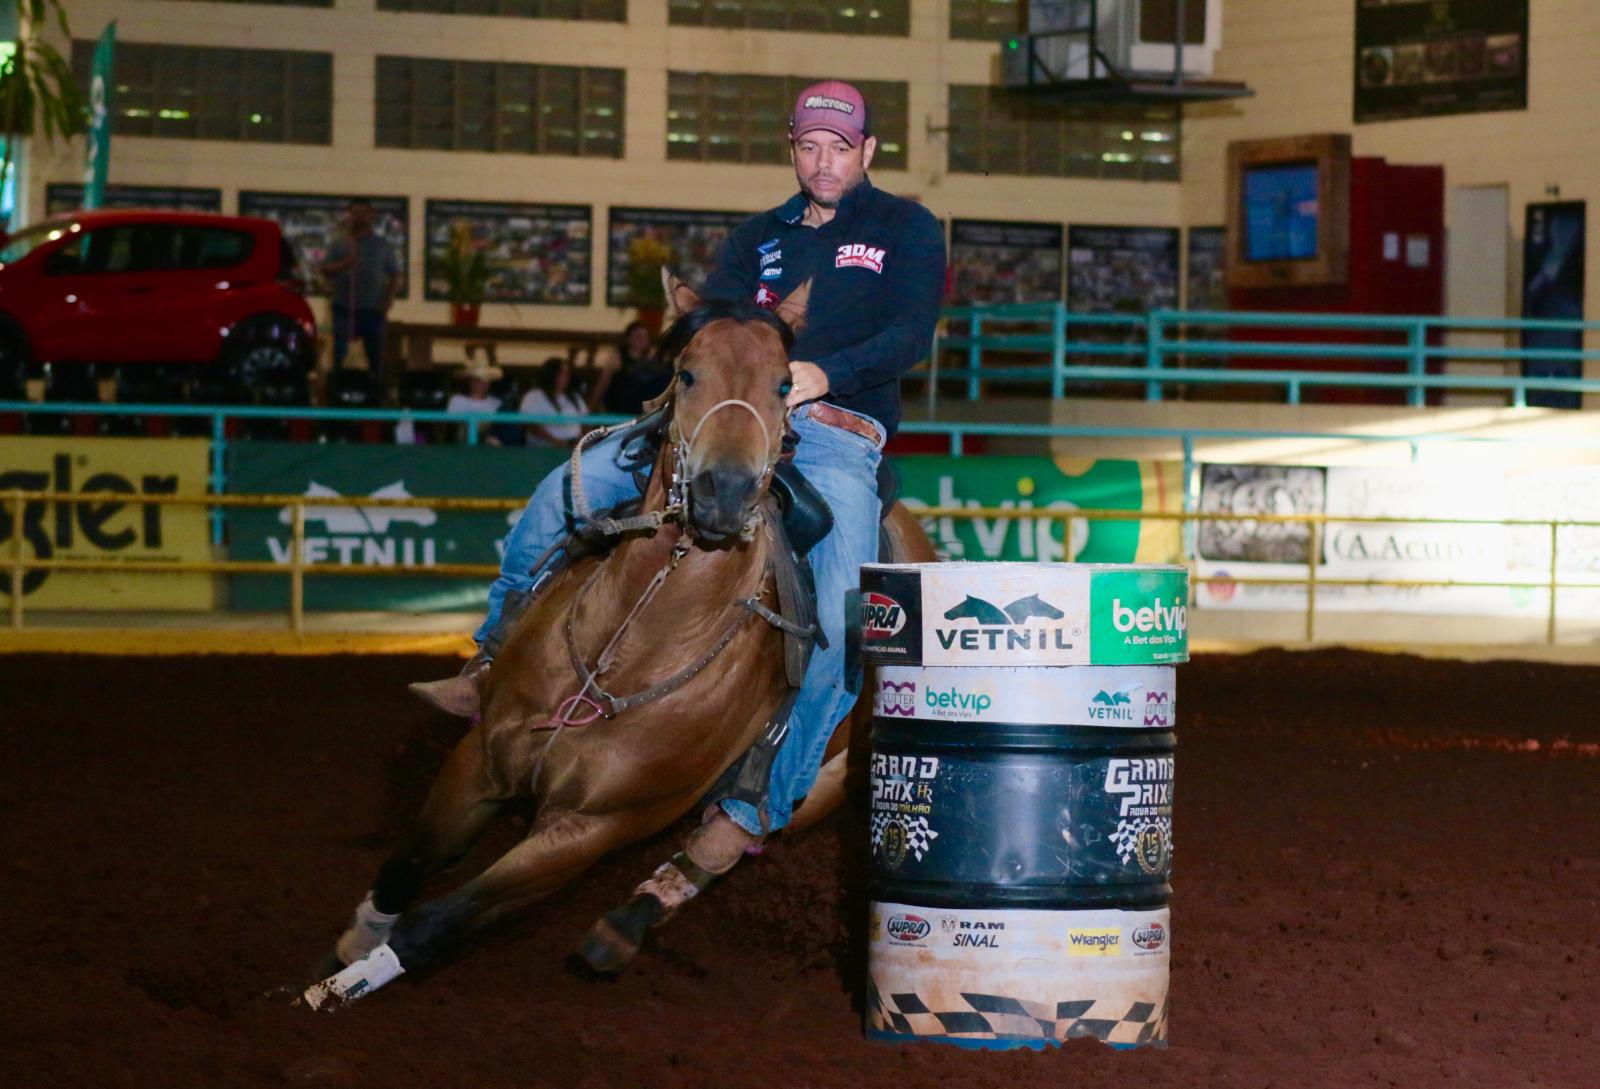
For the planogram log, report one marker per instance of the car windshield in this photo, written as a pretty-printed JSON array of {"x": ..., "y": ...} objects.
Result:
[{"x": 17, "y": 246}]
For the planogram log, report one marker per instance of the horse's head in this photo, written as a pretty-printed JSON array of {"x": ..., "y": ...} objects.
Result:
[{"x": 730, "y": 378}]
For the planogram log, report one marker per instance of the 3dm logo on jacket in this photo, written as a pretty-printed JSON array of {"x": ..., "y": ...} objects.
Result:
[{"x": 859, "y": 255}]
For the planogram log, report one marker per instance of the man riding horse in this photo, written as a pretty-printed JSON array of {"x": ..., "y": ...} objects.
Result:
[{"x": 876, "y": 268}]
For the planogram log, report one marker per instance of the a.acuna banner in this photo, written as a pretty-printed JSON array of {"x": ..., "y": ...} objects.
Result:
[{"x": 126, "y": 526}]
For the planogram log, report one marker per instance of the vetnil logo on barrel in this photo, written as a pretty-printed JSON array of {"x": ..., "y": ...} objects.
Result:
[{"x": 1140, "y": 616}]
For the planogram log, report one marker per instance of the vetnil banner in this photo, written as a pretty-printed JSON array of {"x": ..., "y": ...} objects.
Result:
[{"x": 419, "y": 537}]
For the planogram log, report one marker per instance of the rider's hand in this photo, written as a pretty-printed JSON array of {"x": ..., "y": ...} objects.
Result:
[{"x": 810, "y": 382}]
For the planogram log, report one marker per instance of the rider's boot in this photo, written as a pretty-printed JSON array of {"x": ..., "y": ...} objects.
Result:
[
  {"x": 713, "y": 849},
  {"x": 462, "y": 695},
  {"x": 459, "y": 695}
]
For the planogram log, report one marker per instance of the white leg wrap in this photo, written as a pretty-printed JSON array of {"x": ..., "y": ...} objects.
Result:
[
  {"x": 360, "y": 979},
  {"x": 367, "y": 931}
]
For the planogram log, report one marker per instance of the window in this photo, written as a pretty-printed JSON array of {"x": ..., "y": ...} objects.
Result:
[
  {"x": 985, "y": 20},
  {"x": 995, "y": 132},
  {"x": 712, "y": 117},
  {"x": 888, "y": 17},
  {"x": 536, "y": 109},
  {"x": 152, "y": 247},
  {"x": 190, "y": 92},
  {"x": 609, "y": 11}
]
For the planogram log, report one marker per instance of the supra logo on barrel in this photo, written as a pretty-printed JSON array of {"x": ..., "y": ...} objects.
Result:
[
  {"x": 906, "y": 927},
  {"x": 882, "y": 616},
  {"x": 1150, "y": 937}
]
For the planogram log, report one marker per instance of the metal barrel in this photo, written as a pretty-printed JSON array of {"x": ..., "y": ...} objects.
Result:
[{"x": 1022, "y": 800}]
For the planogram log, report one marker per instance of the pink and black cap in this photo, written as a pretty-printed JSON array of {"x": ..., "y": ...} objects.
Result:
[{"x": 833, "y": 106}]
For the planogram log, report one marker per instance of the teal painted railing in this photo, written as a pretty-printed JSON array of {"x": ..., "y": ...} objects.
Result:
[{"x": 1162, "y": 344}]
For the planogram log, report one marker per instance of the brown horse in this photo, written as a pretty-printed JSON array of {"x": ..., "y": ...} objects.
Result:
[{"x": 670, "y": 608}]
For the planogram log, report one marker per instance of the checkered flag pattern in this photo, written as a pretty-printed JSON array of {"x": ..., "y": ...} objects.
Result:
[
  {"x": 919, "y": 837},
  {"x": 999, "y": 1017},
  {"x": 1126, "y": 837}
]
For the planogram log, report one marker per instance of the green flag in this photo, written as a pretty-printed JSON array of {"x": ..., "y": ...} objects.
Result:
[{"x": 101, "y": 88}]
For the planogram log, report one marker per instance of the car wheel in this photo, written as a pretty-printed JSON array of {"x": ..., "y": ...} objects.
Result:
[{"x": 261, "y": 344}]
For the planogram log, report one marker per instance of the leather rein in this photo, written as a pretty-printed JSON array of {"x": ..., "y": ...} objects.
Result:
[{"x": 592, "y": 701}]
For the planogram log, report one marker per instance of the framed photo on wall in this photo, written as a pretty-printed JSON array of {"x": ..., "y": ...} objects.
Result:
[
  {"x": 68, "y": 196},
  {"x": 1206, "y": 282},
  {"x": 687, "y": 240},
  {"x": 312, "y": 221},
  {"x": 996, "y": 261},
  {"x": 1440, "y": 57},
  {"x": 536, "y": 253}
]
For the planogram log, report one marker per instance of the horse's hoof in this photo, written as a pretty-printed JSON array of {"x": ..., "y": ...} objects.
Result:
[
  {"x": 605, "y": 951},
  {"x": 614, "y": 940}
]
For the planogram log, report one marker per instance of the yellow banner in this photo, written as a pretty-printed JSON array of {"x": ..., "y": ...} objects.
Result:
[{"x": 119, "y": 529}]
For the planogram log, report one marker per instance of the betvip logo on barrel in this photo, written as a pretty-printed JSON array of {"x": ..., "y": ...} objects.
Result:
[{"x": 1140, "y": 616}]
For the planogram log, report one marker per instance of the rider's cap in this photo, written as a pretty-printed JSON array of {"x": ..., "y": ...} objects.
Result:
[{"x": 832, "y": 105}]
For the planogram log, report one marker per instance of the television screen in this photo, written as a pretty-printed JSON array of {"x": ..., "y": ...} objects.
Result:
[{"x": 1280, "y": 212}]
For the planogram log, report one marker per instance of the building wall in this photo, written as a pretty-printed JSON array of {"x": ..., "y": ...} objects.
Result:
[
  {"x": 1299, "y": 56},
  {"x": 647, "y": 48}
]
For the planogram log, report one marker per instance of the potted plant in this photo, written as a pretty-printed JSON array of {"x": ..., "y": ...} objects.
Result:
[
  {"x": 646, "y": 256},
  {"x": 466, "y": 271},
  {"x": 38, "y": 93}
]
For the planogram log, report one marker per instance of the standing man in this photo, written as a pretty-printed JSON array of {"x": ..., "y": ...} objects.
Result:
[
  {"x": 876, "y": 263},
  {"x": 363, "y": 276}
]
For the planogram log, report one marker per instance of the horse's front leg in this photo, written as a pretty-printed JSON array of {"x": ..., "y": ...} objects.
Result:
[
  {"x": 558, "y": 848},
  {"x": 460, "y": 805}
]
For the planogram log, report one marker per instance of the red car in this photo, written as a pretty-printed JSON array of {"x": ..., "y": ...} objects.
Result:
[{"x": 131, "y": 288}]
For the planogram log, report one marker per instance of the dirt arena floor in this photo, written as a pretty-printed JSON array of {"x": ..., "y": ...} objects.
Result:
[{"x": 1386, "y": 874}]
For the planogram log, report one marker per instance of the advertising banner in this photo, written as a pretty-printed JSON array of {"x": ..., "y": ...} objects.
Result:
[
  {"x": 1032, "y": 484},
  {"x": 1427, "y": 58},
  {"x": 312, "y": 222},
  {"x": 1115, "y": 697},
  {"x": 1352, "y": 546},
  {"x": 1000, "y": 262},
  {"x": 684, "y": 240},
  {"x": 534, "y": 253},
  {"x": 417, "y": 537},
  {"x": 119, "y": 529},
  {"x": 102, "y": 107}
]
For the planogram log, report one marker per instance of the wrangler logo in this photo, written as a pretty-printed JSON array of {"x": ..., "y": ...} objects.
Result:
[{"x": 859, "y": 255}]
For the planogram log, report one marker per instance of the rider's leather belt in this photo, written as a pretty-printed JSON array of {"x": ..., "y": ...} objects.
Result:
[{"x": 849, "y": 421}]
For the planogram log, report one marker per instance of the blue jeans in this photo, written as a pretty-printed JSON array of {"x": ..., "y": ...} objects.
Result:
[
  {"x": 365, "y": 324},
  {"x": 843, "y": 467}
]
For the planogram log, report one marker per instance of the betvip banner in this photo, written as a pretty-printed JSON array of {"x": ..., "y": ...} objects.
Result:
[
  {"x": 418, "y": 537},
  {"x": 125, "y": 526},
  {"x": 1120, "y": 697},
  {"x": 1031, "y": 487}
]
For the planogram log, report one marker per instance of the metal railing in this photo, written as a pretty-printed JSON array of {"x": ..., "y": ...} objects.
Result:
[
  {"x": 1162, "y": 345},
  {"x": 297, "y": 570}
]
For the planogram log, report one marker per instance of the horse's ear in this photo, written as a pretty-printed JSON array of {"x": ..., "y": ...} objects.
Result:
[
  {"x": 793, "y": 308},
  {"x": 680, "y": 296}
]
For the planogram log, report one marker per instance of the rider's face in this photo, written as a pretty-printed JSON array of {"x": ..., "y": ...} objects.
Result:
[{"x": 828, "y": 167}]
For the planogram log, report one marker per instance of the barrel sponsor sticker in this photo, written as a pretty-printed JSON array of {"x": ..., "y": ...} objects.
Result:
[
  {"x": 907, "y": 929},
  {"x": 1098, "y": 941},
  {"x": 890, "y": 629},
  {"x": 1140, "y": 616},
  {"x": 902, "y": 802},
  {"x": 1126, "y": 697},
  {"x": 1143, "y": 786},
  {"x": 1148, "y": 939},
  {"x": 1004, "y": 614}
]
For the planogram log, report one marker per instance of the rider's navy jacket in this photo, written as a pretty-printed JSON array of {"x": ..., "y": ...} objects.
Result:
[{"x": 877, "y": 278}]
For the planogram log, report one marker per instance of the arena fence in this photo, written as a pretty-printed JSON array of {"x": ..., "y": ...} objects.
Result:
[
  {"x": 1163, "y": 345},
  {"x": 297, "y": 570}
]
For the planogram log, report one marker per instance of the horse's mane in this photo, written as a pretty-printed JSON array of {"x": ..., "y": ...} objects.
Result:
[{"x": 682, "y": 331}]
